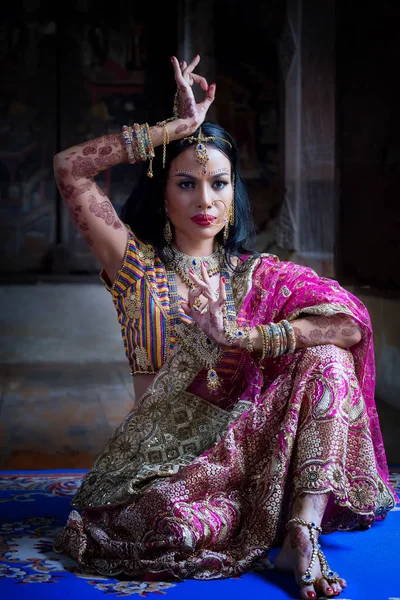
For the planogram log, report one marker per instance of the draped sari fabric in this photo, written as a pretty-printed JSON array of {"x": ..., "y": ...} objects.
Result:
[{"x": 194, "y": 487}]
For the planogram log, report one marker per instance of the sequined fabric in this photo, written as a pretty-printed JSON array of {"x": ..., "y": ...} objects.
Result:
[{"x": 223, "y": 496}]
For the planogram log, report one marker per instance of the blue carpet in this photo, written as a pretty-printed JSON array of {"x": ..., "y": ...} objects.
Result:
[{"x": 35, "y": 504}]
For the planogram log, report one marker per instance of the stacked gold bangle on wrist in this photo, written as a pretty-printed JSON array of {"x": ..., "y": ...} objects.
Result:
[
  {"x": 290, "y": 335},
  {"x": 277, "y": 339},
  {"x": 128, "y": 140},
  {"x": 265, "y": 339},
  {"x": 249, "y": 342},
  {"x": 150, "y": 149},
  {"x": 138, "y": 144}
]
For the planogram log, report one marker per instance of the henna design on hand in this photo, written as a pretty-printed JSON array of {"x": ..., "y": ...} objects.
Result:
[
  {"x": 187, "y": 111},
  {"x": 181, "y": 129}
]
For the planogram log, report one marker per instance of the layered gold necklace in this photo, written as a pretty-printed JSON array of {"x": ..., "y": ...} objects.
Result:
[
  {"x": 182, "y": 263},
  {"x": 192, "y": 338}
]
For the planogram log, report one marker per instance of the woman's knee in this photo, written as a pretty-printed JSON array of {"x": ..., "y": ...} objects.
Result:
[{"x": 328, "y": 353}]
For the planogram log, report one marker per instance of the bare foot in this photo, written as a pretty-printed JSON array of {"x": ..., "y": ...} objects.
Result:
[{"x": 295, "y": 556}]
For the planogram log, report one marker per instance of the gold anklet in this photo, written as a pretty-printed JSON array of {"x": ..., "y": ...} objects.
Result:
[
  {"x": 327, "y": 573},
  {"x": 307, "y": 578}
]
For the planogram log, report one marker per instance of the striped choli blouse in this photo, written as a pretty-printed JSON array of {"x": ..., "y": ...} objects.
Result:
[{"x": 141, "y": 298}]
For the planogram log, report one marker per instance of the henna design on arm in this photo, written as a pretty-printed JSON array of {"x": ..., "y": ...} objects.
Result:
[
  {"x": 181, "y": 129},
  {"x": 349, "y": 331},
  {"x": 330, "y": 333},
  {"x": 302, "y": 340},
  {"x": 80, "y": 221},
  {"x": 74, "y": 175},
  {"x": 83, "y": 167},
  {"x": 71, "y": 192},
  {"x": 316, "y": 336},
  {"x": 337, "y": 329},
  {"x": 105, "y": 211}
]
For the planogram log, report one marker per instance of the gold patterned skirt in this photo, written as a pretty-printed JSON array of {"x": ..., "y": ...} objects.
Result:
[{"x": 186, "y": 489}]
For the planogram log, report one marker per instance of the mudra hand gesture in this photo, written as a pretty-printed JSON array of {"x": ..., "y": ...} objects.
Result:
[
  {"x": 211, "y": 317},
  {"x": 188, "y": 108}
]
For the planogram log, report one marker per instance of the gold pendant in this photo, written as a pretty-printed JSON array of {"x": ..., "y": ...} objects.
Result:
[
  {"x": 213, "y": 382},
  {"x": 202, "y": 156}
]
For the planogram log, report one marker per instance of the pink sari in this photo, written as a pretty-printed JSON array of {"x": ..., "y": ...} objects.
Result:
[{"x": 191, "y": 487}]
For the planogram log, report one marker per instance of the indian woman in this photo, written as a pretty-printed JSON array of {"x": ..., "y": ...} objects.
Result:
[{"x": 254, "y": 423}]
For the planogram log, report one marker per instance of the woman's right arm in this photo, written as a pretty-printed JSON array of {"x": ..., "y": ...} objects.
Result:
[
  {"x": 91, "y": 211},
  {"x": 75, "y": 169}
]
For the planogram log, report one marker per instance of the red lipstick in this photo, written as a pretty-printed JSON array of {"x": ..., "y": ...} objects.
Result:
[{"x": 203, "y": 220}]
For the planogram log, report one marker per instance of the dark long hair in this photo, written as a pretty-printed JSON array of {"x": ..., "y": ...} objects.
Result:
[{"x": 144, "y": 210}]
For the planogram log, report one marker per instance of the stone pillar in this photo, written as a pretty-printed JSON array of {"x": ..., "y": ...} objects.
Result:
[
  {"x": 196, "y": 36},
  {"x": 306, "y": 226}
]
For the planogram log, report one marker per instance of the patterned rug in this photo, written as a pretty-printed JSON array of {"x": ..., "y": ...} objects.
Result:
[{"x": 35, "y": 504}]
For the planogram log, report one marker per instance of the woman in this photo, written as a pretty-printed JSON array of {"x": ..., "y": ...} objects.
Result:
[{"x": 255, "y": 422}]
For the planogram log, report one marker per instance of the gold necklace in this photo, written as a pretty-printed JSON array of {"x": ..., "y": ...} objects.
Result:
[{"x": 181, "y": 263}]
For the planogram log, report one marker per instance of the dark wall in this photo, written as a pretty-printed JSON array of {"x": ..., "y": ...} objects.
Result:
[{"x": 368, "y": 142}]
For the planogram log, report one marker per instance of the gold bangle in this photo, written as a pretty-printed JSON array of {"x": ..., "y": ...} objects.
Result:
[
  {"x": 139, "y": 140},
  {"x": 284, "y": 338},
  {"x": 150, "y": 150},
  {"x": 165, "y": 142},
  {"x": 127, "y": 137},
  {"x": 249, "y": 343},
  {"x": 275, "y": 339},
  {"x": 265, "y": 341},
  {"x": 291, "y": 336}
]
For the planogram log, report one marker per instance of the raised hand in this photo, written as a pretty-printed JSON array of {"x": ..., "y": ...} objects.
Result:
[
  {"x": 211, "y": 318},
  {"x": 185, "y": 77}
]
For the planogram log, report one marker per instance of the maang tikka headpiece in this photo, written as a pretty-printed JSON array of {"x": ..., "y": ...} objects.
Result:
[{"x": 201, "y": 148}]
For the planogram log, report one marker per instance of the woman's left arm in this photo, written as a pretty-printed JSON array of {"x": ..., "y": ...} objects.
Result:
[{"x": 314, "y": 330}]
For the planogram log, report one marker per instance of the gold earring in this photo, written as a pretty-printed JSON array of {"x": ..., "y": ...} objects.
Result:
[
  {"x": 226, "y": 230},
  {"x": 167, "y": 232}
]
